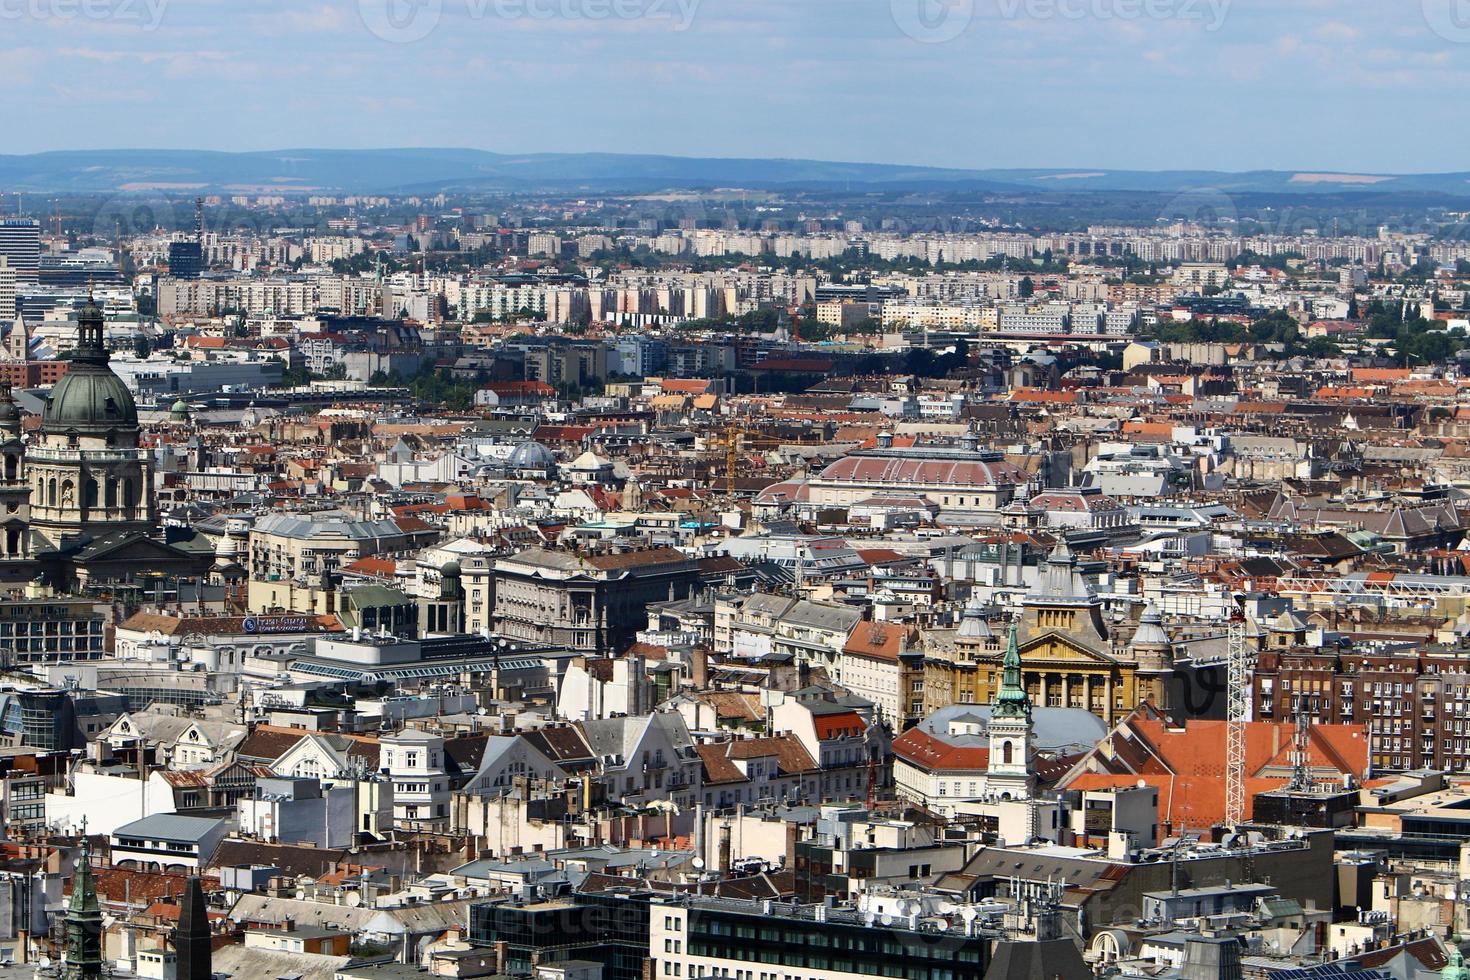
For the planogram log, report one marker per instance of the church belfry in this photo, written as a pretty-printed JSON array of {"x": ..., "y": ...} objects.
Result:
[
  {"x": 192, "y": 938},
  {"x": 1008, "y": 773},
  {"x": 15, "y": 488}
]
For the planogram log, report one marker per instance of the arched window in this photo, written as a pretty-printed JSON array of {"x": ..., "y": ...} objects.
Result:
[
  {"x": 12, "y": 466},
  {"x": 127, "y": 486},
  {"x": 12, "y": 541},
  {"x": 89, "y": 494},
  {"x": 111, "y": 499},
  {"x": 1006, "y": 753},
  {"x": 51, "y": 493}
]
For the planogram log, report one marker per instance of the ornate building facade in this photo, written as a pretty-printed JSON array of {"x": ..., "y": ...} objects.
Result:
[
  {"x": 1069, "y": 656},
  {"x": 87, "y": 473},
  {"x": 76, "y": 501}
]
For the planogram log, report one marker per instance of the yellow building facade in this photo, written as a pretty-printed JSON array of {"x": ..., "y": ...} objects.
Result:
[{"x": 1068, "y": 656}]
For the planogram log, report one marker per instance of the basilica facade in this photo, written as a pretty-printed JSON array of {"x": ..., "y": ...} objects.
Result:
[{"x": 76, "y": 499}]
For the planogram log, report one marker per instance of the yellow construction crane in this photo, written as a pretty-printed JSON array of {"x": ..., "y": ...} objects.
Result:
[
  {"x": 730, "y": 441},
  {"x": 734, "y": 433}
]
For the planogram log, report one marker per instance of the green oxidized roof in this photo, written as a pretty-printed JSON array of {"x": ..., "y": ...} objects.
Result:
[
  {"x": 89, "y": 398},
  {"x": 1011, "y": 700}
]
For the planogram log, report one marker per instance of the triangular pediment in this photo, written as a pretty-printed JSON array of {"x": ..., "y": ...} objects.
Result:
[
  {"x": 1072, "y": 651},
  {"x": 131, "y": 547}
]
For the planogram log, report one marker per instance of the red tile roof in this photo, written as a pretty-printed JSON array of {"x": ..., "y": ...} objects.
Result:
[{"x": 919, "y": 748}]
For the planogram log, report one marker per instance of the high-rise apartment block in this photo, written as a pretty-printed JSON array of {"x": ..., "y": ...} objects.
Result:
[{"x": 20, "y": 246}]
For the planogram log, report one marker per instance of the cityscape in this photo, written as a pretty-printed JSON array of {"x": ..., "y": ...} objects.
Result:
[{"x": 688, "y": 496}]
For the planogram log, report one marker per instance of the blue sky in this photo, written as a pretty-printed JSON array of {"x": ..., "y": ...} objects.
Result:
[{"x": 1349, "y": 85}]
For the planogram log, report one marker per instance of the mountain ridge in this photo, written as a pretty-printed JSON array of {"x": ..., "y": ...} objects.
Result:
[{"x": 426, "y": 170}]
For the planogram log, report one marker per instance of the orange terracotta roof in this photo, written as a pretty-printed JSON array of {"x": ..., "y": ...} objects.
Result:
[
  {"x": 1047, "y": 397},
  {"x": 927, "y": 751},
  {"x": 1381, "y": 374},
  {"x": 877, "y": 641},
  {"x": 845, "y": 725}
]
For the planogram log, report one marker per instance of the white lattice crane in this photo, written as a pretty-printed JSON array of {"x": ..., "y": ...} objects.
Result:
[{"x": 1240, "y": 662}]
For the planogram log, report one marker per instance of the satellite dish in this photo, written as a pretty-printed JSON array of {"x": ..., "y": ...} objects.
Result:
[
  {"x": 353, "y": 899},
  {"x": 698, "y": 864},
  {"x": 969, "y": 913}
]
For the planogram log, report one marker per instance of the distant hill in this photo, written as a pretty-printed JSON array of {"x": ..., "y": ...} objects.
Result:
[{"x": 432, "y": 170}]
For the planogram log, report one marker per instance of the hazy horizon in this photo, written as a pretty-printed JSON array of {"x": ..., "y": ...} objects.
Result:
[
  {"x": 1081, "y": 168},
  {"x": 1343, "y": 86}
]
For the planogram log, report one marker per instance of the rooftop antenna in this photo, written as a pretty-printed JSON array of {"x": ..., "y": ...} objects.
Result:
[{"x": 1302, "y": 778}]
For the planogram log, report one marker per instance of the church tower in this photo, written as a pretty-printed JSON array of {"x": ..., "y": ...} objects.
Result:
[
  {"x": 87, "y": 474},
  {"x": 1062, "y": 601},
  {"x": 1153, "y": 651},
  {"x": 18, "y": 341},
  {"x": 83, "y": 959},
  {"x": 1454, "y": 967},
  {"x": 15, "y": 489},
  {"x": 1008, "y": 774},
  {"x": 192, "y": 938}
]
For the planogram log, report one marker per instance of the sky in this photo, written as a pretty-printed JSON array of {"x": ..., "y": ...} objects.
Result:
[{"x": 1359, "y": 86}]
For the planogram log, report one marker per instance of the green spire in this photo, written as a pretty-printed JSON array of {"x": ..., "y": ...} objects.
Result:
[
  {"x": 1011, "y": 700},
  {"x": 83, "y": 922},
  {"x": 84, "y": 887},
  {"x": 1454, "y": 968}
]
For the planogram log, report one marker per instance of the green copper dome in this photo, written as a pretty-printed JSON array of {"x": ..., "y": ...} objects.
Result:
[{"x": 89, "y": 399}]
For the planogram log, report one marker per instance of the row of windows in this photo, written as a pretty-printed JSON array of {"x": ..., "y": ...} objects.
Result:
[
  {"x": 111, "y": 493},
  {"x": 51, "y": 627}
]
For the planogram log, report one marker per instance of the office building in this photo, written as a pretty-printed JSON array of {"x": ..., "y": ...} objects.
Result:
[
  {"x": 7, "y": 291},
  {"x": 20, "y": 246},
  {"x": 185, "y": 260}
]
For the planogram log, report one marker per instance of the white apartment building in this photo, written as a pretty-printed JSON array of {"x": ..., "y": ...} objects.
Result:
[
  {"x": 915, "y": 316},
  {"x": 335, "y": 249},
  {"x": 1051, "y": 318},
  {"x": 7, "y": 291},
  {"x": 414, "y": 761}
]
